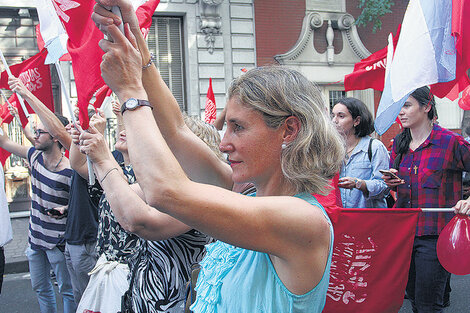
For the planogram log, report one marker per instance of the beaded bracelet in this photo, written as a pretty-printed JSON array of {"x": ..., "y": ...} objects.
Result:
[{"x": 152, "y": 59}]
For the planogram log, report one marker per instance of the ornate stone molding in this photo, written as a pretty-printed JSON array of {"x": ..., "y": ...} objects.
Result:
[
  {"x": 210, "y": 22},
  {"x": 303, "y": 50}
]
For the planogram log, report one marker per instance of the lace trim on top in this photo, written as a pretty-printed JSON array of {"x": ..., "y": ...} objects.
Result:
[{"x": 218, "y": 262}]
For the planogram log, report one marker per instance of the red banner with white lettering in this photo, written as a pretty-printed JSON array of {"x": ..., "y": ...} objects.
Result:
[
  {"x": 370, "y": 72},
  {"x": 36, "y": 76},
  {"x": 210, "y": 111},
  {"x": 371, "y": 258}
]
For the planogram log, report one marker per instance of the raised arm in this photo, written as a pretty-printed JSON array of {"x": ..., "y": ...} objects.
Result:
[
  {"x": 13, "y": 147},
  {"x": 197, "y": 160},
  {"x": 258, "y": 223},
  {"x": 50, "y": 121},
  {"x": 220, "y": 120},
  {"x": 77, "y": 159},
  {"x": 126, "y": 200}
]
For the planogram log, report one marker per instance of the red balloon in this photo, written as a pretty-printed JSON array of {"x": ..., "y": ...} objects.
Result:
[{"x": 453, "y": 245}]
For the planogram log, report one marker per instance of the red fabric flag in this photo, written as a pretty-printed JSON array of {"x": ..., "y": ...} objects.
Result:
[
  {"x": 7, "y": 117},
  {"x": 211, "y": 111},
  {"x": 461, "y": 33},
  {"x": 4, "y": 154},
  {"x": 144, "y": 15},
  {"x": 84, "y": 50},
  {"x": 371, "y": 257},
  {"x": 36, "y": 77},
  {"x": 65, "y": 57},
  {"x": 333, "y": 198},
  {"x": 370, "y": 72}
]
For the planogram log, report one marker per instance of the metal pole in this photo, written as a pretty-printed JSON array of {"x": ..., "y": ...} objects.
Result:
[{"x": 91, "y": 174}]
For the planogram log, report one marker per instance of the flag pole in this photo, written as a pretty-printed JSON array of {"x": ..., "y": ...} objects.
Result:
[
  {"x": 91, "y": 174},
  {"x": 437, "y": 210},
  {"x": 20, "y": 98},
  {"x": 9, "y": 104}
]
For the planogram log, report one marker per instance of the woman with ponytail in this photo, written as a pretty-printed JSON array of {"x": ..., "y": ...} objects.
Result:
[{"x": 429, "y": 161}]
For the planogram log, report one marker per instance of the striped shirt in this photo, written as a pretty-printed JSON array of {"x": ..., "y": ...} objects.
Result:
[
  {"x": 49, "y": 190},
  {"x": 433, "y": 177}
]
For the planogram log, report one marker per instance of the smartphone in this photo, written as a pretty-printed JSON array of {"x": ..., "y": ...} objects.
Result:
[
  {"x": 389, "y": 173},
  {"x": 54, "y": 212}
]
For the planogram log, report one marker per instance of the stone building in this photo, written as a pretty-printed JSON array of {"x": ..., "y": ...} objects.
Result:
[{"x": 195, "y": 40}]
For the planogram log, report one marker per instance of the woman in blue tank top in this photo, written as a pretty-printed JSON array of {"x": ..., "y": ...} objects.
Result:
[{"x": 274, "y": 248}]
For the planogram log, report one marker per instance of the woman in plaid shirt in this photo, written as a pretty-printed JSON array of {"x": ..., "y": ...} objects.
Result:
[{"x": 429, "y": 161}]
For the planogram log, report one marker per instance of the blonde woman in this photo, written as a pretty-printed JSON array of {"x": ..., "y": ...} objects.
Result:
[{"x": 274, "y": 249}]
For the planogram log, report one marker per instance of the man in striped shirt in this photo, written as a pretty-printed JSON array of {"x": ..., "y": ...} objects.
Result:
[{"x": 50, "y": 181}]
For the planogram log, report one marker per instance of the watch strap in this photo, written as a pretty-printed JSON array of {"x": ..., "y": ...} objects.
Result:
[{"x": 140, "y": 103}]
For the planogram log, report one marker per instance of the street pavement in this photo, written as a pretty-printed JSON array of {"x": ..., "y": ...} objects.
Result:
[{"x": 18, "y": 297}]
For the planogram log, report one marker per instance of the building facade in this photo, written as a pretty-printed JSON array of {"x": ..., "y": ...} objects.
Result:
[{"x": 195, "y": 40}]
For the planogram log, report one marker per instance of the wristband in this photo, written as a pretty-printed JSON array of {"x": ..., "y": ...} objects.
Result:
[{"x": 107, "y": 173}]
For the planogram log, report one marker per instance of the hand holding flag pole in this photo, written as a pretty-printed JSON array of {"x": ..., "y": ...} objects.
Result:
[
  {"x": 9, "y": 105},
  {"x": 20, "y": 98},
  {"x": 91, "y": 174}
]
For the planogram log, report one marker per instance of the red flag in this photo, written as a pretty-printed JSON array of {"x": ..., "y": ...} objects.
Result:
[
  {"x": 84, "y": 50},
  {"x": 4, "y": 154},
  {"x": 461, "y": 33},
  {"x": 333, "y": 198},
  {"x": 65, "y": 57},
  {"x": 211, "y": 111},
  {"x": 144, "y": 15},
  {"x": 7, "y": 117},
  {"x": 371, "y": 257},
  {"x": 370, "y": 72},
  {"x": 36, "y": 77}
]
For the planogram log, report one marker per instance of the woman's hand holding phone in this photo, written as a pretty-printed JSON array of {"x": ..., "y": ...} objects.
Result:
[{"x": 391, "y": 178}]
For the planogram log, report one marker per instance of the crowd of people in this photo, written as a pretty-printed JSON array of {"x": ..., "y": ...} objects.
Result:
[{"x": 246, "y": 211}]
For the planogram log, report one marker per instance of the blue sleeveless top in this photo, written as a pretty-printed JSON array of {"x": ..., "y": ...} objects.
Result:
[{"x": 234, "y": 279}]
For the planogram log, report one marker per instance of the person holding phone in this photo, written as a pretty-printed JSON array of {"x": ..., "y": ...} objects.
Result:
[
  {"x": 360, "y": 180},
  {"x": 429, "y": 161}
]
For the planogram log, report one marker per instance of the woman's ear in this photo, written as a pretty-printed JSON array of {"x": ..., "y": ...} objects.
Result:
[
  {"x": 292, "y": 128},
  {"x": 357, "y": 121},
  {"x": 427, "y": 108}
]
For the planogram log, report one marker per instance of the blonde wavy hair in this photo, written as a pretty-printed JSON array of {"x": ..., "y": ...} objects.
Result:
[
  {"x": 207, "y": 132},
  {"x": 315, "y": 155}
]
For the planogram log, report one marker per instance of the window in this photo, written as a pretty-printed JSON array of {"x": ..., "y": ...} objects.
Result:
[
  {"x": 334, "y": 96},
  {"x": 165, "y": 41}
]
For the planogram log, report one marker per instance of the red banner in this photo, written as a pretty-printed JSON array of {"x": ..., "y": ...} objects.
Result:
[
  {"x": 371, "y": 258},
  {"x": 36, "y": 77},
  {"x": 210, "y": 111}
]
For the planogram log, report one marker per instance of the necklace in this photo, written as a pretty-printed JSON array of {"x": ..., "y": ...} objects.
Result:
[
  {"x": 351, "y": 150},
  {"x": 60, "y": 160}
]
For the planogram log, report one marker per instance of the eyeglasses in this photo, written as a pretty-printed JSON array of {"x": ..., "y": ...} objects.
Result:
[{"x": 38, "y": 132}]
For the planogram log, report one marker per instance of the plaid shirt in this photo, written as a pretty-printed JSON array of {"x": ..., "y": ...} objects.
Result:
[{"x": 433, "y": 177}]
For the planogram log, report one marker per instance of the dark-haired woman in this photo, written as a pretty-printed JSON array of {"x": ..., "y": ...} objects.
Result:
[
  {"x": 360, "y": 181},
  {"x": 429, "y": 161}
]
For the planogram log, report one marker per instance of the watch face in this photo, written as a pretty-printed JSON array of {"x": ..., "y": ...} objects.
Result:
[{"x": 131, "y": 103}]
